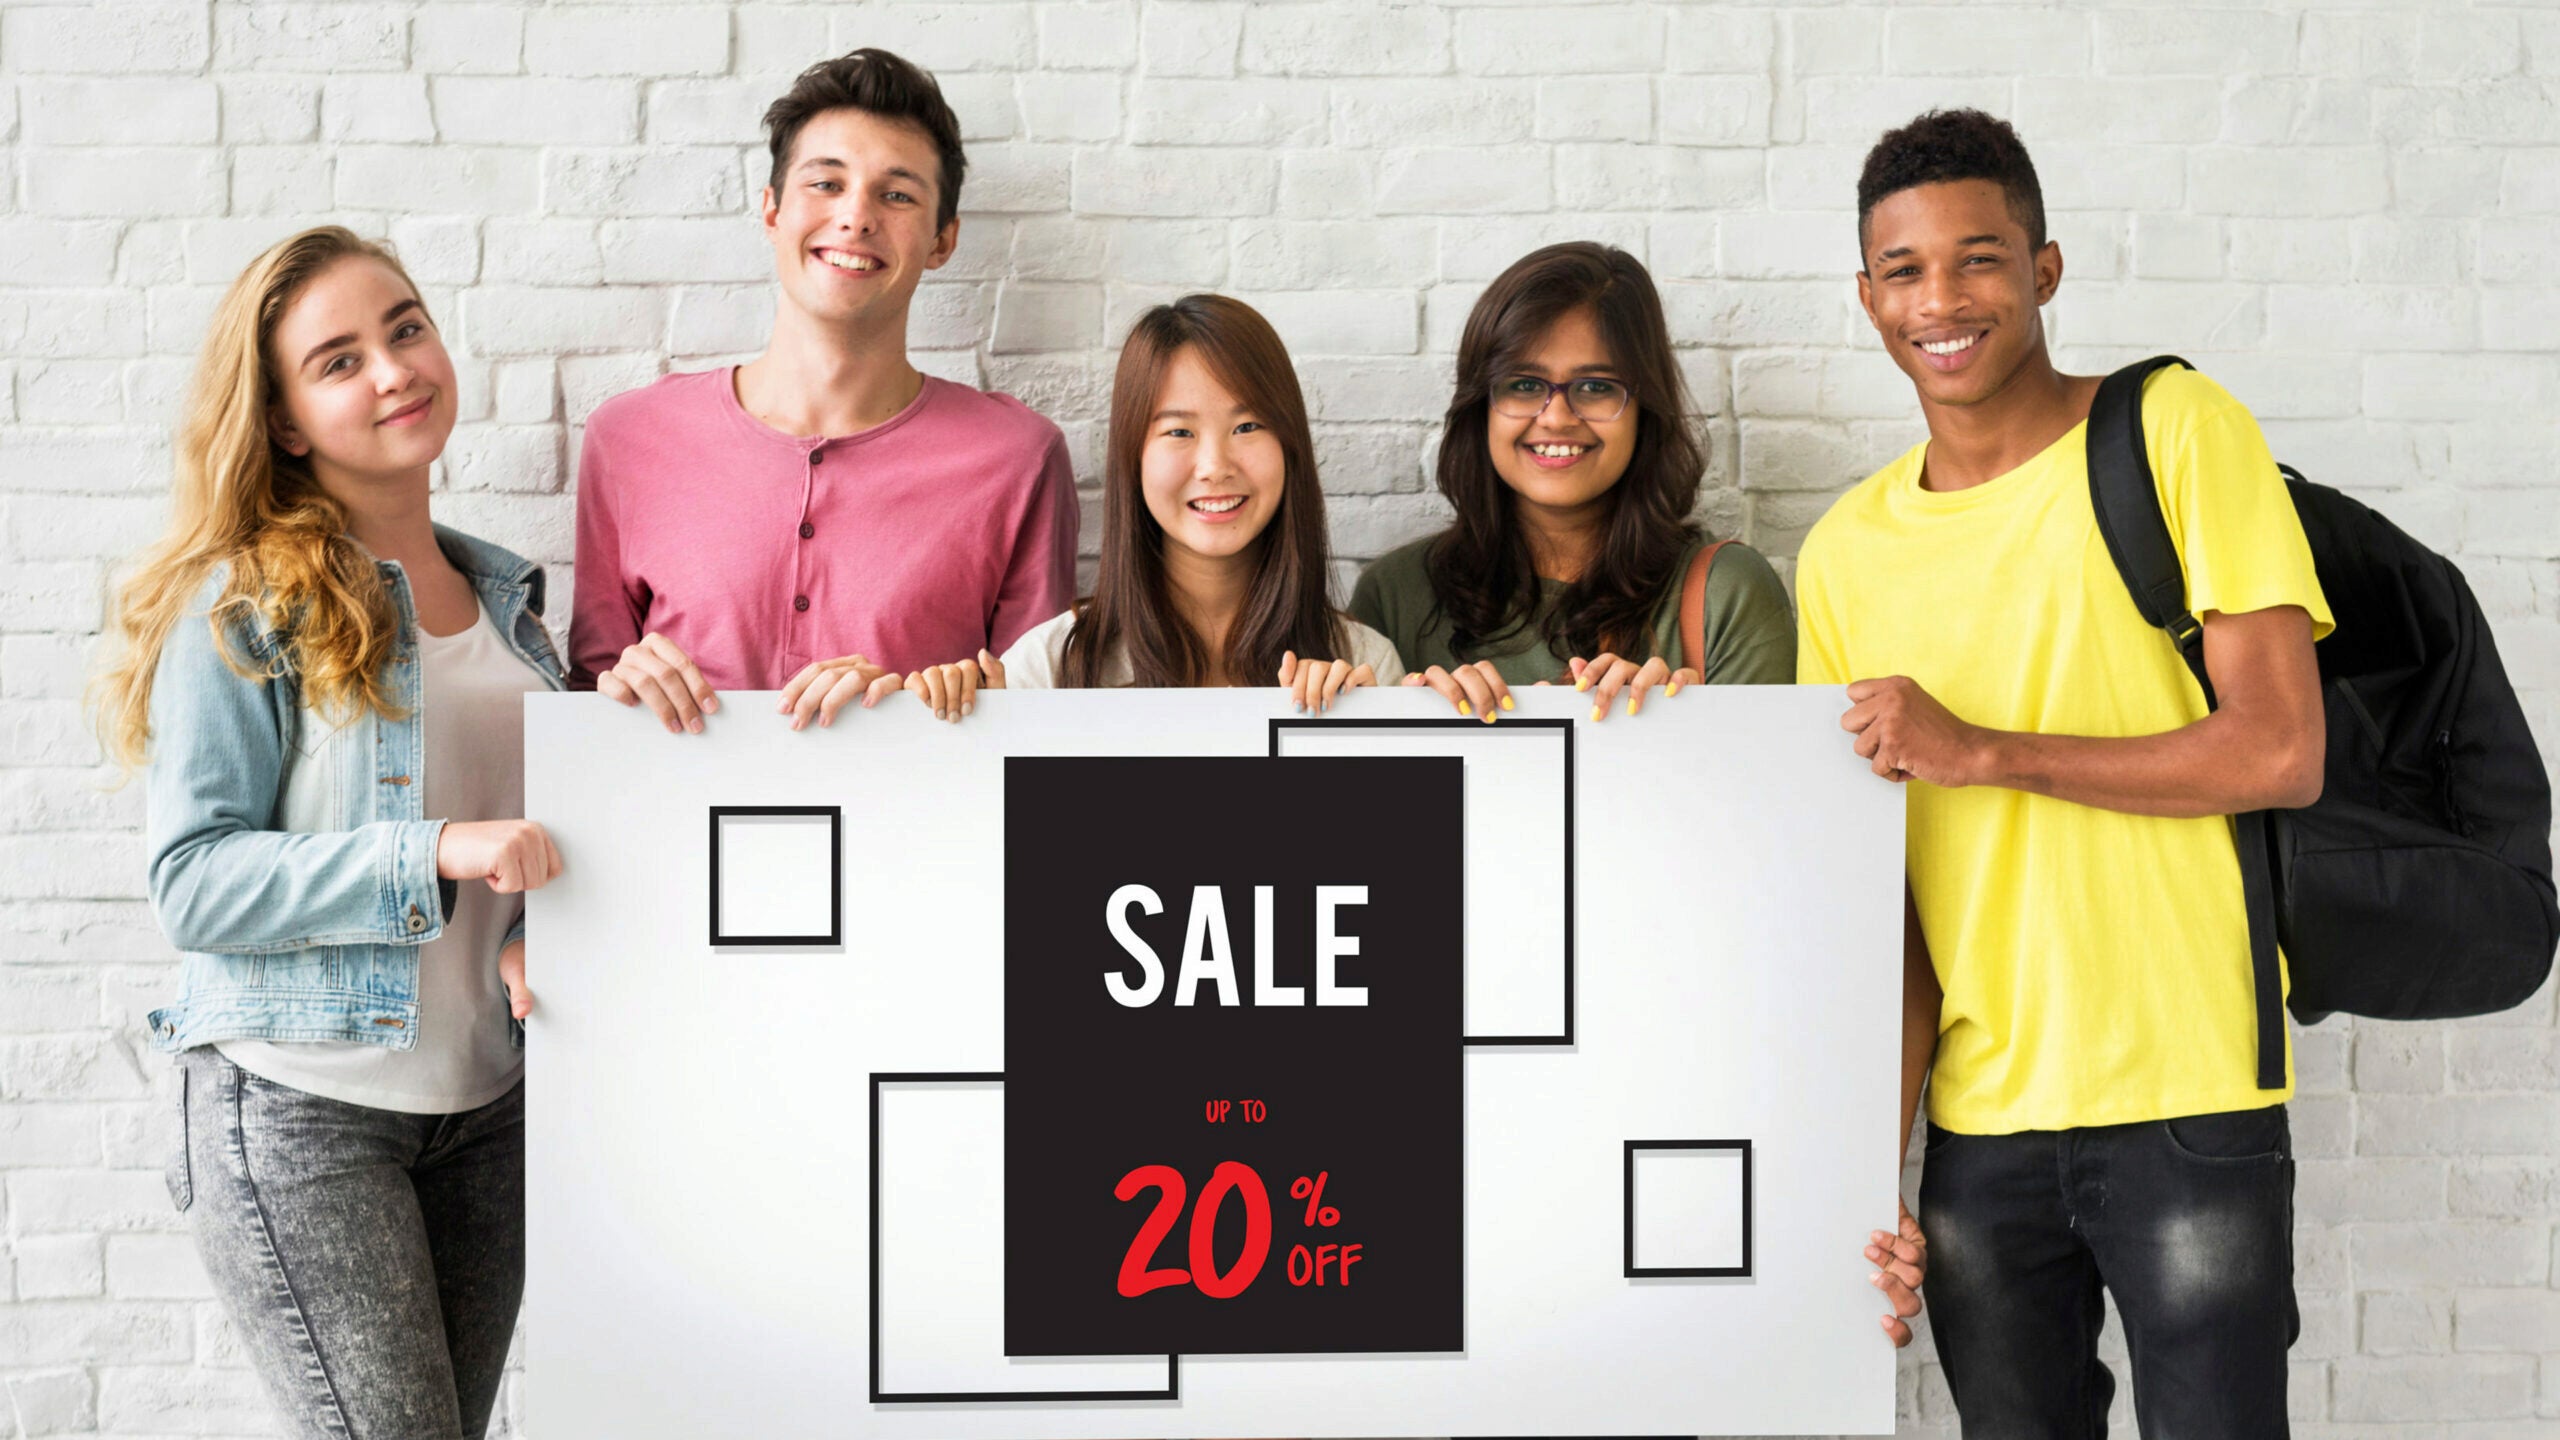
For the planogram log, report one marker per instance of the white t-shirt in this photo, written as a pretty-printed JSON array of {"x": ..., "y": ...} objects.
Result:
[
  {"x": 1032, "y": 663},
  {"x": 473, "y": 710}
]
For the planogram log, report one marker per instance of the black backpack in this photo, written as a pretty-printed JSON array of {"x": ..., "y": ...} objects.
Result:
[{"x": 2418, "y": 887}]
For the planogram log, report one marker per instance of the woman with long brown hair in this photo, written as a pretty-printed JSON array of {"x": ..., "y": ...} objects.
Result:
[
  {"x": 1214, "y": 554},
  {"x": 1572, "y": 469},
  {"x": 328, "y": 691}
]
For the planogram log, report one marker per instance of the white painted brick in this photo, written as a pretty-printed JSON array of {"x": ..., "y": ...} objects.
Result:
[
  {"x": 2406, "y": 1323},
  {"x": 701, "y": 180},
  {"x": 1967, "y": 42},
  {"x": 2288, "y": 182},
  {"x": 541, "y": 252},
  {"x": 523, "y": 459},
  {"x": 1221, "y": 112},
  {"x": 1310, "y": 255},
  {"x": 1609, "y": 107},
  {"x": 2504, "y": 1189},
  {"x": 2507, "y": 1320},
  {"x": 2513, "y": 110},
  {"x": 2339, "y": 1191},
  {"x": 675, "y": 252},
  {"x": 1342, "y": 321},
  {"x": 1760, "y": 312},
  {"x": 1326, "y": 184},
  {"x": 136, "y": 182},
  {"x": 2327, "y": 317},
  {"x": 71, "y": 392},
  {"x": 1655, "y": 177},
  {"x": 288, "y": 183},
  {"x": 1059, "y": 249},
  {"x": 529, "y": 321},
  {"x": 477, "y": 179},
  {"x": 1815, "y": 177},
  {"x": 1046, "y": 317},
  {"x": 53, "y": 1402},
  {"x": 733, "y": 320},
  {"x": 1345, "y": 39},
  {"x": 1020, "y": 179},
  {"x": 463, "y": 39},
  {"x": 387, "y": 109},
  {"x": 318, "y": 38},
  {"x": 944, "y": 37},
  {"x": 105, "y": 38},
  {"x": 1488, "y": 180},
  {"x": 160, "y": 1399},
  {"x": 1755, "y": 246},
  {"x": 1708, "y": 39},
  {"x": 781, "y": 41},
  {"x": 1169, "y": 252},
  {"x": 1715, "y": 110},
  {"x": 2434, "y": 1388},
  {"x": 1174, "y": 183},
  {"x": 717, "y": 112},
  {"x": 2171, "y": 42},
  {"x": 1088, "y": 36},
  {"x": 2177, "y": 247},
  {"x": 2112, "y": 111},
  {"x": 1601, "y": 38},
  {"x": 270, "y": 109},
  {"x": 158, "y": 111},
  {"x": 2304, "y": 112},
  {"x": 600, "y": 41},
  {"x": 155, "y": 1267},
  {"x": 1087, "y": 107},
  {"x": 1388, "y": 114},
  {"x": 511, "y": 110},
  {"x": 1190, "y": 39},
  {"x": 1861, "y": 108},
  {"x": 60, "y": 1267}
]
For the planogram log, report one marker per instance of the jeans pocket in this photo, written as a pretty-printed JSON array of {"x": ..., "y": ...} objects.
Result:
[
  {"x": 1937, "y": 1138},
  {"x": 2228, "y": 1137},
  {"x": 181, "y": 1174}
]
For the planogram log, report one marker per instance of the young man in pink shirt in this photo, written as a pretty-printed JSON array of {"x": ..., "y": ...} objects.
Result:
[{"x": 823, "y": 516}]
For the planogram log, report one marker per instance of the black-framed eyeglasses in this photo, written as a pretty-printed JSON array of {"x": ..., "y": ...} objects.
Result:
[{"x": 1524, "y": 397}]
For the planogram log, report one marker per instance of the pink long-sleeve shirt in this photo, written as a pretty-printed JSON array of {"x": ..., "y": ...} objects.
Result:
[{"x": 948, "y": 527}]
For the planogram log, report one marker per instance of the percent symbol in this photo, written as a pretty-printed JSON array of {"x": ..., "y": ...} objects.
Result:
[{"x": 1312, "y": 1191}]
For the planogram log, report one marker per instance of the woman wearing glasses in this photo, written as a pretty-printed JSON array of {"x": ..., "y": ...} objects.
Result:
[{"x": 1572, "y": 470}]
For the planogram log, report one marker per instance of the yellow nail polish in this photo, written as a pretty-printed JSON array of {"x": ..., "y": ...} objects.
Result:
[
  {"x": 1596, "y": 712},
  {"x": 1506, "y": 703},
  {"x": 1674, "y": 690},
  {"x": 1465, "y": 708},
  {"x": 1631, "y": 704},
  {"x": 1582, "y": 684},
  {"x": 1488, "y": 717}
]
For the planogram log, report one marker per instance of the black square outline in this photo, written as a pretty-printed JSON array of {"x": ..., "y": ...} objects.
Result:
[
  {"x": 1172, "y": 1363},
  {"x": 1279, "y": 724},
  {"x": 835, "y": 874},
  {"x": 1741, "y": 1271}
]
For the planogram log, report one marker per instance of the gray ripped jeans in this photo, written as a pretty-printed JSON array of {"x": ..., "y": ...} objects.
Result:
[{"x": 372, "y": 1260}]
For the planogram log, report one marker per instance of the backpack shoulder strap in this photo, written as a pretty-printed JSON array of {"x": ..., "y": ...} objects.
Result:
[
  {"x": 2128, "y": 508},
  {"x": 2127, "y": 502},
  {"x": 1693, "y": 608}
]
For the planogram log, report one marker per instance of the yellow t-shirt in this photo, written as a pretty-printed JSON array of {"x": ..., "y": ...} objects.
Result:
[{"x": 2095, "y": 964}]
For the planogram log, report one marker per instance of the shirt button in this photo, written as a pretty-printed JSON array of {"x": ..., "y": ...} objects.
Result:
[
  {"x": 807, "y": 529},
  {"x": 817, "y": 455},
  {"x": 799, "y": 602}
]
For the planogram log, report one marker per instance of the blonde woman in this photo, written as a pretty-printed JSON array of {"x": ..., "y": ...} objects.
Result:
[{"x": 327, "y": 689}]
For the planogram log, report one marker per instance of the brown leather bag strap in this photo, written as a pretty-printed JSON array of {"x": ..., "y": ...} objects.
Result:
[{"x": 1693, "y": 609}]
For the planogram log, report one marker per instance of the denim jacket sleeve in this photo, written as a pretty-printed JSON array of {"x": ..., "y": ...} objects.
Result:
[{"x": 222, "y": 881}]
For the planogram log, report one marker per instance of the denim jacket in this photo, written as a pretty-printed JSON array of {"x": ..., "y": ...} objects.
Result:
[{"x": 290, "y": 863}]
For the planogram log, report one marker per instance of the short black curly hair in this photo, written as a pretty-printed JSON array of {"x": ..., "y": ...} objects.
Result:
[{"x": 1944, "y": 145}]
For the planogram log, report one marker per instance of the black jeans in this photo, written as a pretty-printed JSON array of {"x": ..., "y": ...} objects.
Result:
[
  {"x": 2189, "y": 1222},
  {"x": 372, "y": 1260}
]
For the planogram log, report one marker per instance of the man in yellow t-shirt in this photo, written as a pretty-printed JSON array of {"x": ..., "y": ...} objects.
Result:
[{"x": 2079, "y": 986}]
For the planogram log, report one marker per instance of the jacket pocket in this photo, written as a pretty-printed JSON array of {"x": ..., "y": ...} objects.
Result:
[{"x": 181, "y": 1176}]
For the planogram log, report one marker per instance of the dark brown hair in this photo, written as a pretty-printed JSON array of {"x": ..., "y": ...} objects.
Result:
[
  {"x": 1482, "y": 578},
  {"x": 878, "y": 83},
  {"x": 1948, "y": 145},
  {"x": 1285, "y": 605}
]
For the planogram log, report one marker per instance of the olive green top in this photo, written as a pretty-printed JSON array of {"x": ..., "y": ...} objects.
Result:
[{"x": 1750, "y": 629}]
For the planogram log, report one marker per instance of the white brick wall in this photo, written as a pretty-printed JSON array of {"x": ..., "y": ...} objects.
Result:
[{"x": 2348, "y": 211}]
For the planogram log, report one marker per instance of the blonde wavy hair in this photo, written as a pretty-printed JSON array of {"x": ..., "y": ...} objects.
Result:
[{"x": 240, "y": 500}]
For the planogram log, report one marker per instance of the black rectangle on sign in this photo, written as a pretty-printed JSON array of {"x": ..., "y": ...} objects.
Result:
[{"x": 1193, "y": 1163}]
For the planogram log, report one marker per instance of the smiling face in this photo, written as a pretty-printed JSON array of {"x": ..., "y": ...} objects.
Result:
[
  {"x": 1558, "y": 459},
  {"x": 852, "y": 223},
  {"x": 364, "y": 389},
  {"x": 1954, "y": 288},
  {"x": 1212, "y": 471}
]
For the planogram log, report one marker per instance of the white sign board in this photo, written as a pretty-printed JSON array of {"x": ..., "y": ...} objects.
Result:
[{"x": 766, "y": 1174}]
